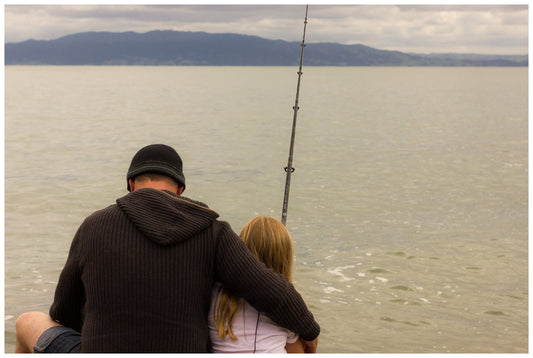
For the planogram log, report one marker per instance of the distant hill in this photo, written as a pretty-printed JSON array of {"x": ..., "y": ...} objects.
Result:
[{"x": 169, "y": 48}]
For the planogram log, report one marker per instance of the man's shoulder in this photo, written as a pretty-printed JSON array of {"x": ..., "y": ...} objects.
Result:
[{"x": 109, "y": 211}]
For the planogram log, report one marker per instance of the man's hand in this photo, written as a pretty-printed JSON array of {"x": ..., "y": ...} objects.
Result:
[{"x": 310, "y": 346}]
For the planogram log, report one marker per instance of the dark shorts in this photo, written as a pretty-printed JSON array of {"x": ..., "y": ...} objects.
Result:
[{"x": 58, "y": 339}]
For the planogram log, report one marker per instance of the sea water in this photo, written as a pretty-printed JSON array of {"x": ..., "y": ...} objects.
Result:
[{"x": 408, "y": 206}]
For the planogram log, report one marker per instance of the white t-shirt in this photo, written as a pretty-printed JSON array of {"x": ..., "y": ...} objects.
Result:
[{"x": 254, "y": 331}]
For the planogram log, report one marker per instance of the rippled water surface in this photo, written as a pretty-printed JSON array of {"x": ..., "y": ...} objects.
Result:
[{"x": 408, "y": 205}]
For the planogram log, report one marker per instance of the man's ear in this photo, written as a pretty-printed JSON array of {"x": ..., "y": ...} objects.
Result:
[
  {"x": 180, "y": 189},
  {"x": 131, "y": 182}
]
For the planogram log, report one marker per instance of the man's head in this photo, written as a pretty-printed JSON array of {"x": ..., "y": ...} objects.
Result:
[{"x": 155, "y": 163}]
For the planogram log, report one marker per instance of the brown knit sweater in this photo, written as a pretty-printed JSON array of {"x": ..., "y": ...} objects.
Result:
[{"x": 139, "y": 276}]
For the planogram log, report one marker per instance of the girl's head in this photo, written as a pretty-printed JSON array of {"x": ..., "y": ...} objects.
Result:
[{"x": 270, "y": 241}]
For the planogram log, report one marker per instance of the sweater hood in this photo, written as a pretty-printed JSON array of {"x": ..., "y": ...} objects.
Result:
[{"x": 165, "y": 218}]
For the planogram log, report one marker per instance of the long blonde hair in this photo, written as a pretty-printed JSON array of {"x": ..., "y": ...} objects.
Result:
[{"x": 270, "y": 241}]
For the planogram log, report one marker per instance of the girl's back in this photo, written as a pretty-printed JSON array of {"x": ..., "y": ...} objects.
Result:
[{"x": 257, "y": 333}]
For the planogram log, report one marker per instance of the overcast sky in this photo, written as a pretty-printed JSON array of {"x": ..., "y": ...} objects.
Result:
[{"x": 486, "y": 29}]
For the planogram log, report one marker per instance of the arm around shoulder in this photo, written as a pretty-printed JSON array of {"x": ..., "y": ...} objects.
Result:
[{"x": 241, "y": 272}]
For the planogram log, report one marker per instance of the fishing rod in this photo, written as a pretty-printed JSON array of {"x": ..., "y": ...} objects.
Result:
[{"x": 289, "y": 168}]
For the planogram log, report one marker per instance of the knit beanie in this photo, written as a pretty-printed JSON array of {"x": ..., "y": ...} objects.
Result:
[{"x": 157, "y": 158}]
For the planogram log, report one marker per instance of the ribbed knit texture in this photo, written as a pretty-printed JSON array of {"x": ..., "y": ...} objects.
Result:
[{"x": 139, "y": 277}]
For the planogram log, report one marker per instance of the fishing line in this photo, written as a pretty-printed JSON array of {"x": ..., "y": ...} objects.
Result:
[
  {"x": 289, "y": 168},
  {"x": 256, "y": 327}
]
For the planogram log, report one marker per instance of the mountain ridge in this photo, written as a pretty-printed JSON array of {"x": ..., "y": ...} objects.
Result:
[{"x": 182, "y": 48}]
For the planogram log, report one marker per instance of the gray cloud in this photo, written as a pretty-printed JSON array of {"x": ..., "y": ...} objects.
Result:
[{"x": 501, "y": 29}]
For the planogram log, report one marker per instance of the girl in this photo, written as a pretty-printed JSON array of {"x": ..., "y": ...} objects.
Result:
[{"x": 234, "y": 325}]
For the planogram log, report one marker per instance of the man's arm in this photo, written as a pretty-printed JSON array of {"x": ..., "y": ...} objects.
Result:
[
  {"x": 244, "y": 274},
  {"x": 69, "y": 296}
]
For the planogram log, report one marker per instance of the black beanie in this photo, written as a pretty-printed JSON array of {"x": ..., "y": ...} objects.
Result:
[{"x": 157, "y": 158}]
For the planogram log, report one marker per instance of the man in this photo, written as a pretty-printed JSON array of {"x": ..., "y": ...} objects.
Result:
[{"x": 139, "y": 273}]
